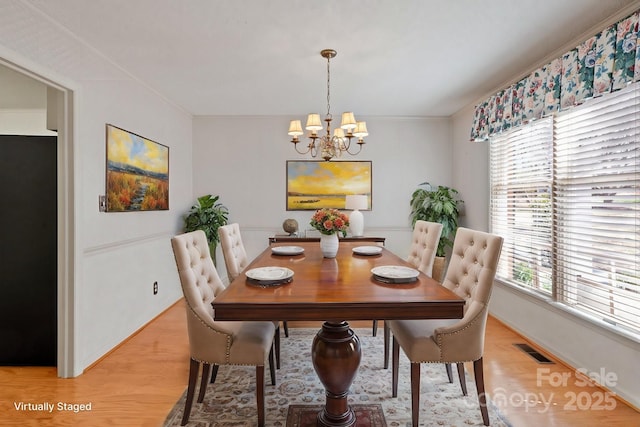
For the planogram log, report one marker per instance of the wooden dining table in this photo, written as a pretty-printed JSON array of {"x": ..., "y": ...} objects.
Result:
[{"x": 335, "y": 291}]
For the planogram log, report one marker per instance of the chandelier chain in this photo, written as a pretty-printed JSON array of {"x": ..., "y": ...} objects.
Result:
[{"x": 328, "y": 87}]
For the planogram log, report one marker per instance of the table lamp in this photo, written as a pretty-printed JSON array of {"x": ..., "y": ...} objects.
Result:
[{"x": 356, "y": 220}]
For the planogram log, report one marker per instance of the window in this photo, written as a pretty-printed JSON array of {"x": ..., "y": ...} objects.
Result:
[
  {"x": 521, "y": 183},
  {"x": 565, "y": 194}
]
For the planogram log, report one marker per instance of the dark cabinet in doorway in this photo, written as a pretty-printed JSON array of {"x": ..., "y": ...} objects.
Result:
[{"x": 28, "y": 250}]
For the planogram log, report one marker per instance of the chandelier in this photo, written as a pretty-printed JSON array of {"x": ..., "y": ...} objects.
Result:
[{"x": 329, "y": 146}]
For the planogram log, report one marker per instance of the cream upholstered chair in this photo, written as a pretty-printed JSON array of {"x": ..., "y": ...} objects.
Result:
[
  {"x": 235, "y": 259},
  {"x": 422, "y": 253},
  {"x": 470, "y": 274},
  {"x": 424, "y": 244},
  {"x": 235, "y": 256},
  {"x": 211, "y": 342}
]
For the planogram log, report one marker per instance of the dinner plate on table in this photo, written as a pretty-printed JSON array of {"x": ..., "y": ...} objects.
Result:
[
  {"x": 395, "y": 274},
  {"x": 287, "y": 250},
  {"x": 269, "y": 276},
  {"x": 367, "y": 250}
]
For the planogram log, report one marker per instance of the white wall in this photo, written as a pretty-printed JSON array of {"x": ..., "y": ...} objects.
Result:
[
  {"x": 471, "y": 176},
  {"x": 22, "y": 105},
  {"x": 243, "y": 160},
  {"x": 580, "y": 343},
  {"x": 118, "y": 255},
  {"x": 24, "y": 122},
  {"x": 124, "y": 253}
]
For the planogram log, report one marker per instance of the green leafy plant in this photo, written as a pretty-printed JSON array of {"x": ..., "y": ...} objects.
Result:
[
  {"x": 523, "y": 273},
  {"x": 441, "y": 205},
  {"x": 207, "y": 215}
]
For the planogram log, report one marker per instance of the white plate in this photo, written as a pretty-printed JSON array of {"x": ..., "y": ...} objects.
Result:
[
  {"x": 395, "y": 272},
  {"x": 367, "y": 250},
  {"x": 287, "y": 250},
  {"x": 269, "y": 273}
]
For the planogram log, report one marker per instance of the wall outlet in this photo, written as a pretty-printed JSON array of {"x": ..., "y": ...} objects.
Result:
[{"x": 155, "y": 288}]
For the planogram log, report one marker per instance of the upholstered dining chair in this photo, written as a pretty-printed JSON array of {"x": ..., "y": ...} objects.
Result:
[
  {"x": 422, "y": 253},
  {"x": 235, "y": 259},
  {"x": 470, "y": 275},
  {"x": 235, "y": 255},
  {"x": 213, "y": 343}
]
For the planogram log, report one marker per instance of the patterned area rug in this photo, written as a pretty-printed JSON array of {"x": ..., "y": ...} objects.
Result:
[
  {"x": 231, "y": 402},
  {"x": 307, "y": 415}
]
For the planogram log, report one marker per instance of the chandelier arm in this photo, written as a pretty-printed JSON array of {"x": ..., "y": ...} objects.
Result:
[
  {"x": 310, "y": 148},
  {"x": 300, "y": 152},
  {"x": 347, "y": 143},
  {"x": 359, "y": 149}
]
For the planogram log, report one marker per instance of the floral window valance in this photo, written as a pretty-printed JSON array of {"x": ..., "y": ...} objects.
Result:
[{"x": 605, "y": 62}]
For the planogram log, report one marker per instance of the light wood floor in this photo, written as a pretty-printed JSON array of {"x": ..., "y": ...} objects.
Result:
[{"x": 139, "y": 382}]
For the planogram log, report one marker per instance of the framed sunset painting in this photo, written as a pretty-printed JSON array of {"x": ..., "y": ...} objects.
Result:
[
  {"x": 137, "y": 172},
  {"x": 313, "y": 185}
]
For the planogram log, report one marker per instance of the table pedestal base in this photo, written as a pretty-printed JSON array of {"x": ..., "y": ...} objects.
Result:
[{"x": 336, "y": 356}]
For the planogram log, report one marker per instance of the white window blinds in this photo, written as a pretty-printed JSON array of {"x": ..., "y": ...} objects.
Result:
[
  {"x": 597, "y": 221},
  {"x": 565, "y": 195},
  {"x": 521, "y": 179}
]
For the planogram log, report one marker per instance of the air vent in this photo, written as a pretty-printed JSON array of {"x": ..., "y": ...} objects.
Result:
[{"x": 535, "y": 354}]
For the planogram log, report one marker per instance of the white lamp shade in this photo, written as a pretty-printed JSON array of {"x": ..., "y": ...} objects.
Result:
[
  {"x": 338, "y": 133},
  {"x": 361, "y": 130},
  {"x": 356, "y": 201},
  {"x": 348, "y": 121},
  {"x": 295, "y": 128},
  {"x": 313, "y": 122}
]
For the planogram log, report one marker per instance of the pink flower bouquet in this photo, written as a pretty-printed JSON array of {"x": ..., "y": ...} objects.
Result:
[{"x": 330, "y": 221}]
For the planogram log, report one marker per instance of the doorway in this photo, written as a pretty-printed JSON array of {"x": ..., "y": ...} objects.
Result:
[{"x": 60, "y": 113}]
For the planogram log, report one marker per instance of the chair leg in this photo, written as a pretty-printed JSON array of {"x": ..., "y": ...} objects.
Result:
[
  {"x": 276, "y": 342},
  {"x": 194, "y": 367},
  {"x": 260, "y": 394},
  {"x": 394, "y": 368},
  {"x": 272, "y": 366},
  {"x": 479, "y": 376},
  {"x": 387, "y": 335},
  {"x": 214, "y": 374},
  {"x": 286, "y": 328},
  {"x": 206, "y": 374},
  {"x": 375, "y": 328},
  {"x": 463, "y": 381},
  {"x": 415, "y": 393},
  {"x": 447, "y": 366}
]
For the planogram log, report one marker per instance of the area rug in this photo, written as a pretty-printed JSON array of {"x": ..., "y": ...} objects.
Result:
[
  {"x": 307, "y": 415},
  {"x": 231, "y": 401}
]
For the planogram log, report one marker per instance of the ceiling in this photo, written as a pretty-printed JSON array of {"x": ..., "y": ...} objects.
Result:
[{"x": 395, "y": 57}]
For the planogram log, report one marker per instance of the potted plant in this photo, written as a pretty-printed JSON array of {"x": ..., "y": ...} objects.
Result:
[
  {"x": 207, "y": 215},
  {"x": 442, "y": 205}
]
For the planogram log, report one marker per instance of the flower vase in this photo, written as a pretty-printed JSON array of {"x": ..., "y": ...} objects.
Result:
[{"x": 329, "y": 244}]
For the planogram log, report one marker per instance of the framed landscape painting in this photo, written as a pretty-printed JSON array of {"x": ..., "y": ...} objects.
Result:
[
  {"x": 137, "y": 172},
  {"x": 313, "y": 185}
]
